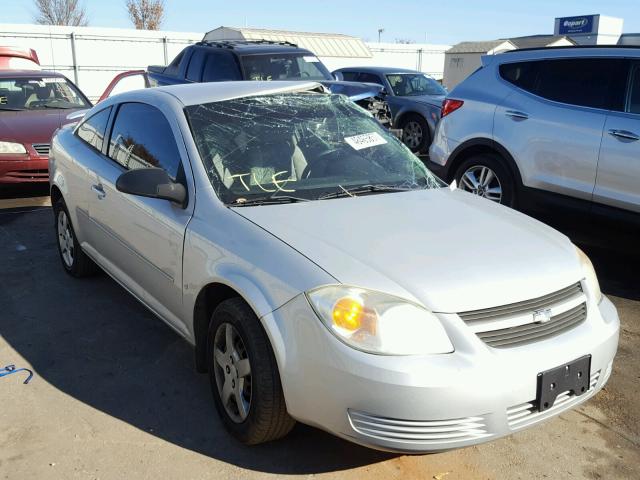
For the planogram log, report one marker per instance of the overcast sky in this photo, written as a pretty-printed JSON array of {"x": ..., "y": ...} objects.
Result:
[{"x": 447, "y": 22}]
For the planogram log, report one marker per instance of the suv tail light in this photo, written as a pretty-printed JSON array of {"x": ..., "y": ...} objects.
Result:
[{"x": 450, "y": 105}]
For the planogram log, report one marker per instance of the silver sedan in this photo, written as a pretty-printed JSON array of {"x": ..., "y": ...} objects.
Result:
[{"x": 322, "y": 273}]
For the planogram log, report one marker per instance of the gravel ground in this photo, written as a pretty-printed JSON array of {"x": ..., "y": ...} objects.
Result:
[{"x": 115, "y": 394}]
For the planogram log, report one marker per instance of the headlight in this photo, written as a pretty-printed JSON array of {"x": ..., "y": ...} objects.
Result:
[
  {"x": 11, "y": 147},
  {"x": 375, "y": 322},
  {"x": 590, "y": 275}
]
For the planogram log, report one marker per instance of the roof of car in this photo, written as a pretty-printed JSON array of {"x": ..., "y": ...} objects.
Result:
[
  {"x": 199, "y": 93},
  {"x": 564, "y": 52},
  {"x": 380, "y": 70},
  {"x": 29, "y": 73},
  {"x": 244, "y": 47}
]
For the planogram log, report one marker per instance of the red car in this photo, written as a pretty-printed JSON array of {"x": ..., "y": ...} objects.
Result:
[{"x": 33, "y": 104}]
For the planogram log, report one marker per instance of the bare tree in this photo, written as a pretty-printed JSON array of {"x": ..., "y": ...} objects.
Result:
[
  {"x": 146, "y": 14},
  {"x": 60, "y": 12}
]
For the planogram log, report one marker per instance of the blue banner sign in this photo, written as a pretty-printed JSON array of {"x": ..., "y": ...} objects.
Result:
[{"x": 569, "y": 25}]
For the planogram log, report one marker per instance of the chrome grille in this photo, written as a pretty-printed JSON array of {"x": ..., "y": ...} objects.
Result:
[
  {"x": 529, "y": 332},
  {"x": 527, "y": 306},
  {"x": 527, "y": 413},
  {"x": 425, "y": 431},
  {"x": 42, "y": 149}
]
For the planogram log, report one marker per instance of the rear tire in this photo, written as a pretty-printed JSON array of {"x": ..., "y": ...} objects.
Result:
[
  {"x": 488, "y": 176},
  {"x": 74, "y": 261},
  {"x": 243, "y": 369},
  {"x": 415, "y": 133}
]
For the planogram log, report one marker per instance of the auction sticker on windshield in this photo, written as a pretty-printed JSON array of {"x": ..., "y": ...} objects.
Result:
[{"x": 365, "y": 140}]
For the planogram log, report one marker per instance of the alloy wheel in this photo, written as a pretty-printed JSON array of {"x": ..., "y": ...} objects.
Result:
[
  {"x": 482, "y": 181},
  {"x": 65, "y": 239},
  {"x": 412, "y": 134},
  {"x": 232, "y": 372}
]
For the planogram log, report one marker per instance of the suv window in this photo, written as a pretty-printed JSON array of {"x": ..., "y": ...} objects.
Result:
[
  {"x": 141, "y": 137},
  {"x": 349, "y": 76},
  {"x": 219, "y": 67},
  {"x": 194, "y": 70},
  {"x": 634, "y": 91},
  {"x": 369, "y": 78},
  {"x": 93, "y": 128},
  {"x": 588, "y": 82}
]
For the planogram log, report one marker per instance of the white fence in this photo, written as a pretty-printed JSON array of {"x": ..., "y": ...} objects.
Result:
[{"x": 92, "y": 56}]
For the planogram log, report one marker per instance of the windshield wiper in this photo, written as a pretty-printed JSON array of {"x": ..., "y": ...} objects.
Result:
[
  {"x": 270, "y": 200},
  {"x": 11, "y": 109},
  {"x": 363, "y": 190},
  {"x": 57, "y": 107}
]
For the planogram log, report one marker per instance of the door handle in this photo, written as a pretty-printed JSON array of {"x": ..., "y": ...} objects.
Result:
[
  {"x": 98, "y": 190},
  {"x": 624, "y": 134},
  {"x": 516, "y": 115}
]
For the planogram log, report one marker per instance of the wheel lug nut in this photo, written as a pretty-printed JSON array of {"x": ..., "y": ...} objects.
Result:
[
  {"x": 233, "y": 383},
  {"x": 228, "y": 369}
]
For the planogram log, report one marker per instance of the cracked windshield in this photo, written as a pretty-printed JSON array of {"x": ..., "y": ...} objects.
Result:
[{"x": 299, "y": 147}]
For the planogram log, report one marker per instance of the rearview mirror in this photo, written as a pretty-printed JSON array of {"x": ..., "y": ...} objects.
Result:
[{"x": 152, "y": 183}]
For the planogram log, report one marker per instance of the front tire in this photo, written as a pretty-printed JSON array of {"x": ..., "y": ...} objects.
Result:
[
  {"x": 244, "y": 375},
  {"x": 74, "y": 261},
  {"x": 487, "y": 176}
]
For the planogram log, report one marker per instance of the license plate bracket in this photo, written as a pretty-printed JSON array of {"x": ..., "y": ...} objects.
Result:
[{"x": 572, "y": 377}]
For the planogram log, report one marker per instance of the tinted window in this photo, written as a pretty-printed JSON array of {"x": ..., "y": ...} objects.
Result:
[
  {"x": 194, "y": 70},
  {"x": 220, "y": 67},
  {"x": 92, "y": 129},
  {"x": 141, "y": 137},
  {"x": 588, "y": 82},
  {"x": 289, "y": 66},
  {"x": 369, "y": 78},
  {"x": 349, "y": 76},
  {"x": 634, "y": 92}
]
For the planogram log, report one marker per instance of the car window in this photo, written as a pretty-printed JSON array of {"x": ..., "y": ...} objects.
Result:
[
  {"x": 39, "y": 93},
  {"x": 634, "y": 91},
  {"x": 369, "y": 78},
  {"x": 220, "y": 67},
  {"x": 349, "y": 76},
  {"x": 93, "y": 128},
  {"x": 305, "y": 145},
  {"x": 194, "y": 70},
  {"x": 588, "y": 82},
  {"x": 414, "y": 84},
  {"x": 141, "y": 137},
  {"x": 290, "y": 66}
]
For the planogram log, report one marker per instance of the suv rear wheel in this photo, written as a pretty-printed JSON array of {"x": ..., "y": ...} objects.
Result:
[{"x": 487, "y": 176}]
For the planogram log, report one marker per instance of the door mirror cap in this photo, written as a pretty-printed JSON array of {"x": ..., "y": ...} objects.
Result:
[{"x": 152, "y": 183}]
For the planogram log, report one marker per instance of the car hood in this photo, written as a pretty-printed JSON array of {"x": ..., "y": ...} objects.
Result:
[
  {"x": 31, "y": 126},
  {"x": 449, "y": 250},
  {"x": 354, "y": 90}
]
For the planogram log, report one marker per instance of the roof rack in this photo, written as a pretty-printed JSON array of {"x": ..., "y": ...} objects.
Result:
[
  {"x": 569, "y": 47},
  {"x": 233, "y": 43}
]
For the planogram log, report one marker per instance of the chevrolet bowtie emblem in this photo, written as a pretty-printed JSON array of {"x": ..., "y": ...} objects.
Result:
[{"x": 542, "y": 316}]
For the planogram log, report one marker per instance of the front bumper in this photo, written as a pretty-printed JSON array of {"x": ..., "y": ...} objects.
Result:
[
  {"x": 419, "y": 404},
  {"x": 23, "y": 168}
]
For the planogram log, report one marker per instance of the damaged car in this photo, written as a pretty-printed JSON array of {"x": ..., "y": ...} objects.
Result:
[
  {"x": 262, "y": 60},
  {"x": 322, "y": 273}
]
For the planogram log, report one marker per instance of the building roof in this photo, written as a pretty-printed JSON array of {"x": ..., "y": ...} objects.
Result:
[
  {"x": 322, "y": 44},
  {"x": 632, "y": 39},
  {"x": 536, "y": 41},
  {"x": 477, "y": 47}
]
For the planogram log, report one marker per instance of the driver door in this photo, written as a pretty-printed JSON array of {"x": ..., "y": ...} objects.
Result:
[{"x": 139, "y": 239}]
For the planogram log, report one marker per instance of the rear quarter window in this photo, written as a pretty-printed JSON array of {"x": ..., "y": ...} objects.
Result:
[
  {"x": 92, "y": 130},
  {"x": 588, "y": 82}
]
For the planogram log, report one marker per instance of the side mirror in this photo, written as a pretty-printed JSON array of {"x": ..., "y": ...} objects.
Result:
[{"x": 152, "y": 183}]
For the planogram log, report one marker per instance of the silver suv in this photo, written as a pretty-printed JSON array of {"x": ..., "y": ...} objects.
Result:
[{"x": 539, "y": 125}]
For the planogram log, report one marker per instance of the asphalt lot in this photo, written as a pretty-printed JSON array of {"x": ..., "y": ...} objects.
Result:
[{"x": 115, "y": 394}]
